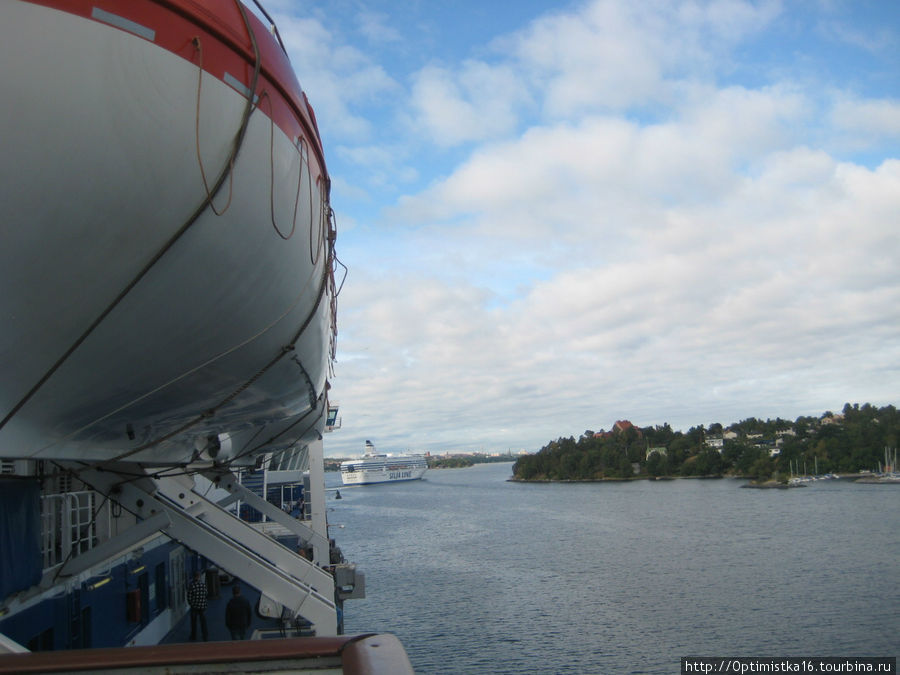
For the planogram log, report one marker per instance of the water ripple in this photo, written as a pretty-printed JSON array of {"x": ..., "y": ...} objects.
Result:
[{"x": 477, "y": 575}]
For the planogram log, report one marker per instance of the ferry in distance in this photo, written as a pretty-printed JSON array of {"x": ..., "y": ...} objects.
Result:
[{"x": 381, "y": 468}]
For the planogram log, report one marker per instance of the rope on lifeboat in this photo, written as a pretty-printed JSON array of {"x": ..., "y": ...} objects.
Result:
[
  {"x": 206, "y": 203},
  {"x": 250, "y": 451},
  {"x": 324, "y": 209},
  {"x": 335, "y": 288},
  {"x": 302, "y": 147},
  {"x": 327, "y": 282},
  {"x": 198, "y": 45},
  {"x": 303, "y": 154},
  {"x": 265, "y": 95}
]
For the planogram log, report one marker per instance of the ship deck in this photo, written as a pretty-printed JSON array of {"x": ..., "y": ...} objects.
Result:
[
  {"x": 215, "y": 618},
  {"x": 371, "y": 654}
]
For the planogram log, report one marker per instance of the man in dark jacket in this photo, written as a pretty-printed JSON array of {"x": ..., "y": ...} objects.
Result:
[
  {"x": 237, "y": 613},
  {"x": 197, "y": 600}
]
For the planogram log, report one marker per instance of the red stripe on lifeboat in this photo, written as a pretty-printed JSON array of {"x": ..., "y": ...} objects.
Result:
[{"x": 226, "y": 48}]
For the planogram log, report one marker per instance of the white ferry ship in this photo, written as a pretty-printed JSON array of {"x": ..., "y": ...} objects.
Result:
[{"x": 381, "y": 468}]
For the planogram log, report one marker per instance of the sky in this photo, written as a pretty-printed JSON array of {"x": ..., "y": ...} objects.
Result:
[{"x": 557, "y": 215}]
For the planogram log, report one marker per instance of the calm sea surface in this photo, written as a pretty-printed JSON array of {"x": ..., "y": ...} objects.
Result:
[{"x": 478, "y": 575}]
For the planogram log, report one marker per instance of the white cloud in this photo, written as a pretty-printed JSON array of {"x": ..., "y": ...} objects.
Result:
[
  {"x": 873, "y": 38},
  {"x": 375, "y": 26},
  {"x": 479, "y": 103},
  {"x": 384, "y": 165},
  {"x": 338, "y": 76},
  {"x": 787, "y": 281},
  {"x": 867, "y": 122},
  {"x": 600, "y": 58},
  {"x": 594, "y": 179},
  {"x": 615, "y": 55},
  {"x": 626, "y": 238},
  {"x": 607, "y": 56}
]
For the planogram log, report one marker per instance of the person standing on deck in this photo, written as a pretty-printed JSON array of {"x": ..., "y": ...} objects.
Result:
[
  {"x": 237, "y": 614},
  {"x": 197, "y": 600}
]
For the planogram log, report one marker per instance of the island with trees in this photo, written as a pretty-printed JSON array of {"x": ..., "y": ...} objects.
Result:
[
  {"x": 446, "y": 460},
  {"x": 461, "y": 460},
  {"x": 851, "y": 441}
]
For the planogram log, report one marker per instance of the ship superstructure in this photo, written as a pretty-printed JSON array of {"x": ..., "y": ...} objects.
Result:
[{"x": 168, "y": 303}]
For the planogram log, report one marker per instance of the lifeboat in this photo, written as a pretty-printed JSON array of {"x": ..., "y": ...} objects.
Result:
[{"x": 167, "y": 260}]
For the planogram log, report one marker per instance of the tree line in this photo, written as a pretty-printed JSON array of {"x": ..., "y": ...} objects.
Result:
[
  {"x": 456, "y": 461},
  {"x": 453, "y": 462},
  {"x": 849, "y": 442}
]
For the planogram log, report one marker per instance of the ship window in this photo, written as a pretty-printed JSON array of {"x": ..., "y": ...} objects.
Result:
[{"x": 68, "y": 525}]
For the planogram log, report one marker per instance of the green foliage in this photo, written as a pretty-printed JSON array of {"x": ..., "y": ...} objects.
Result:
[
  {"x": 838, "y": 444},
  {"x": 449, "y": 462}
]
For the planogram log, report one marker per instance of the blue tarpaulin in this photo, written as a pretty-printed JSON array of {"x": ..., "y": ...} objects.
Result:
[{"x": 20, "y": 535}]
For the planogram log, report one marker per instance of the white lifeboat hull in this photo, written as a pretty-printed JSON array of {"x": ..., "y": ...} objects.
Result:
[{"x": 139, "y": 323}]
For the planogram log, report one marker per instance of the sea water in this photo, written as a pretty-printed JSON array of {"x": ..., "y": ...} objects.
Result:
[{"x": 476, "y": 574}]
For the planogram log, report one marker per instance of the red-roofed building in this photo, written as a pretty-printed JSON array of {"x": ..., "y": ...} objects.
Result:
[
  {"x": 622, "y": 425},
  {"x": 618, "y": 428}
]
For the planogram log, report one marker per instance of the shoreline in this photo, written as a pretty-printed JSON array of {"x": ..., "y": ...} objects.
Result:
[
  {"x": 752, "y": 482},
  {"x": 623, "y": 480},
  {"x": 773, "y": 485}
]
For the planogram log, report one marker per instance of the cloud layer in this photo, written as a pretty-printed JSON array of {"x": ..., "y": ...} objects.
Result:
[{"x": 614, "y": 211}]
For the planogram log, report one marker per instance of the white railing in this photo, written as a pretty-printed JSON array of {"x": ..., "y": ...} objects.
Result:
[{"x": 69, "y": 526}]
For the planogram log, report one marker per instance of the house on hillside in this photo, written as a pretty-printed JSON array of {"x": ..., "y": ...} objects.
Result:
[
  {"x": 618, "y": 428},
  {"x": 717, "y": 442},
  {"x": 779, "y": 437},
  {"x": 624, "y": 425}
]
